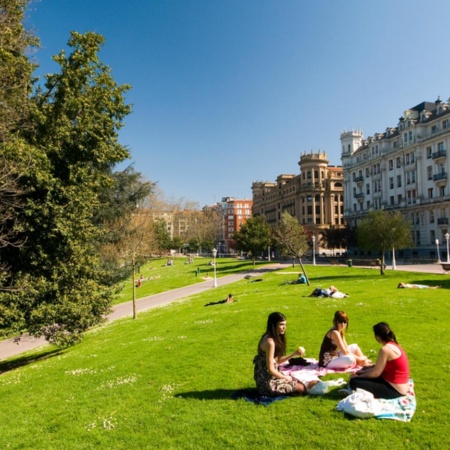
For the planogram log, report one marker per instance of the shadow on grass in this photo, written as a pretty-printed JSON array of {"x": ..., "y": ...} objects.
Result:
[
  {"x": 7, "y": 366},
  {"x": 213, "y": 394}
]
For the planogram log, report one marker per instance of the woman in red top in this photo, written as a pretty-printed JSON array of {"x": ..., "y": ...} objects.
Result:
[{"x": 389, "y": 376}]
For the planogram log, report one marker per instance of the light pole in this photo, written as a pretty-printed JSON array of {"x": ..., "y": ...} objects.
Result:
[
  {"x": 446, "y": 238},
  {"x": 314, "y": 250},
  {"x": 437, "y": 248},
  {"x": 394, "y": 266},
  {"x": 214, "y": 252}
]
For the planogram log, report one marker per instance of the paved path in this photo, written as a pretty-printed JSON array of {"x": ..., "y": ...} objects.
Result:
[{"x": 11, "y": 347}]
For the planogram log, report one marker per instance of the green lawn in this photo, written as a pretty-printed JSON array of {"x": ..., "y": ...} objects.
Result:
[
  {"x": 160, "y": 278},
  {"x": 164, "y": 380}
]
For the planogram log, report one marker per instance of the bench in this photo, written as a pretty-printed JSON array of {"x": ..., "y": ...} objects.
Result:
[{"x": 445, "y": 267}]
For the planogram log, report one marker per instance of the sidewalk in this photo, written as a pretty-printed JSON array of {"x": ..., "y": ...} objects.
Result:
[{"x": 11, "y": 347}]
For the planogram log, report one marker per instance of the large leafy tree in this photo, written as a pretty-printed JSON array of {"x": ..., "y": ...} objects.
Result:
[
  {"x": 74, "y": 146},
  {"x": 254, "y": 237},
  {"x": 291, "y": 239},
  {"x": 15, "y": 86},
  {"x": 382, "y": 231}
]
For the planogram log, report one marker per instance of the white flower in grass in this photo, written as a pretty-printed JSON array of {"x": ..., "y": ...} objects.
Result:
[
  {"x": 81, "y": 372},
  {"x": 203, "y": 322},
  {"x": 120, "y": 381},
  {"x": 182, "y": 337},
  {"x": 153, "y": 339}
]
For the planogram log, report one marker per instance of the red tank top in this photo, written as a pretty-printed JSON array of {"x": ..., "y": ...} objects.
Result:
[{"x": 397, "y": 370}]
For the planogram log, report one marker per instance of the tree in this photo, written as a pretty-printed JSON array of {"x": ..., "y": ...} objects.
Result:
[
  {"x": 382, "y": 231},
  {"x": 73, "y": 143},
  {"x": 254, "y": 236},
  {"x": 15, "y": 86},
  {"x": 291, "y": 239}
]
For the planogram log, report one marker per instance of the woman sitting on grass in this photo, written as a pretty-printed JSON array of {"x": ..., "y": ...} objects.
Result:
[
  {"x": 272, "y": 352},
  {"x": 389, "y": 376},
  {"x": 334, "y": 352}
]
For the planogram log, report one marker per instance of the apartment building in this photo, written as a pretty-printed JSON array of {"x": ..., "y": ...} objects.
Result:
[
  {"x": 234, "y": 213},
  {"x": 404, "y": 169},
  {"x": 314, "y": 196}
]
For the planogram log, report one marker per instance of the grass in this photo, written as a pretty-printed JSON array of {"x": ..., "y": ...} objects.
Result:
[
  {"x": 164, "y": 380},
  {"x": 161, "y": 278}
]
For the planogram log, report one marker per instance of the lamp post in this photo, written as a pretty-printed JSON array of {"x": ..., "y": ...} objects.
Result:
[
  {"x": 214, "y": 252},
  {"x": 437, "y": 248},
  {"x": 314, "y": 250},
  {"x": 446, "y": 238},
  {"x": 394, "y": 266}
]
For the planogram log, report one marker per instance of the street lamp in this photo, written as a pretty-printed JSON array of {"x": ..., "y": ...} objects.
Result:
[
  {"x": 394, "y": 266},
  {"x": 314, "y": 250},
  {"x": 214, "y": 252},
  {"x": 437, "y": 248},
  {"x": 446, "y": 238}
]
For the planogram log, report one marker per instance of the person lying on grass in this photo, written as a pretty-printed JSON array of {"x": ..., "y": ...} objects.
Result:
[
  {"x": 416, "y": 286},
  {"x": 335, "y": 353},
  {"x": 389, "y": 376},
  {"x": 332, "y": 291},
  {"x": 229, "y": 299},
  {"x": 271, "y": 353}
]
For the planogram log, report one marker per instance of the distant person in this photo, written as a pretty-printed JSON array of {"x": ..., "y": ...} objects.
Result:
[
  {"x": 332, "y": 291},
  {"x": 389, "y": 376},
  {"x": 416, "y": 286},
  {"x": 271, "y": 353},
  {"x": 229, "y": 299},
  {"x": 301, "y": 279},
  {"x": 335, "y": 353}
]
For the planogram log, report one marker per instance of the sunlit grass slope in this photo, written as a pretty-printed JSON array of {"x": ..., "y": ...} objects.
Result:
[{"x": 164, "y": 380}]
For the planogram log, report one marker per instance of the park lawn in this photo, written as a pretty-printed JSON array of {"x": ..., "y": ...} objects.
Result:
[
  {"x": 165, "y": 379},
  {"x": 158, "y": 277}
]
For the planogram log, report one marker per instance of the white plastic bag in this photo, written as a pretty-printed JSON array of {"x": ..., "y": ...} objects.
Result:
[{"x": 360, "y": 404}]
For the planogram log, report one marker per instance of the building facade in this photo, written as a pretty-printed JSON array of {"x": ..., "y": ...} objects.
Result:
[
  {"x": 314, "y": 197},
  {"x": 403, "y": 169},
  {"x": 234, "y": 213}
]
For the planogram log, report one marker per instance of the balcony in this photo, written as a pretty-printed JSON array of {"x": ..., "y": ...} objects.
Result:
[
  {"x": 358, "y": 179},
  {"x": 442, "y": 221},
  {"x": 440, "y": 177},
  {"x": 439, "y": 154}
]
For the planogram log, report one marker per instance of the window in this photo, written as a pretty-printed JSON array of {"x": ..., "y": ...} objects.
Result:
[
  {"x": 430, "y": 172},
  {"x": 391, "y": 164},
  {"x": 391, "y": 182},
  {"x": 367, "y": 188},
  {"x": 442, "y": 191},
  {"x": 430, "y": 193},
  {"x": 431, "y": 216},
  {"x": 399, "y": 181},
  {"x": 429, "y": 153},
  {"x": 391, "y": 200},
  {"x": 445, "y": 124},
  {"x": 398, "y": 162},
  {"x": 367, "y": 172},
  {"x": 433, "y": 129},
  {"x": 441, "y": 146}
]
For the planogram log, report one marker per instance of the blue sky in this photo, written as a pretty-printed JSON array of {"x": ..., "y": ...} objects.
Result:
[{"x": 227, "y": 92}]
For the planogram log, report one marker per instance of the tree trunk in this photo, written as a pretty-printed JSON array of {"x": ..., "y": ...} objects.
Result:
[{"x": 304, "y": 271}]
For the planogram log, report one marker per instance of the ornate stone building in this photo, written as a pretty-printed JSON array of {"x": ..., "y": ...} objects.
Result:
[
  {"x": 403, "y": 169},
  {"x": 314, "y": 197}
]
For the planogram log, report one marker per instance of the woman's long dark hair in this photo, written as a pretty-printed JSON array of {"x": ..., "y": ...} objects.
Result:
[
  {"x": 280, "y": 341},
  {"x": 384, "y": 332}
]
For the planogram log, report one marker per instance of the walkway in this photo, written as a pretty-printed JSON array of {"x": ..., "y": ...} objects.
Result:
[{"x": 12, "y": 347}]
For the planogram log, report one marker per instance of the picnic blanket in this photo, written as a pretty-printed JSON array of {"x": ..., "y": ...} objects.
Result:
[{"x": 362, "y": 404}]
